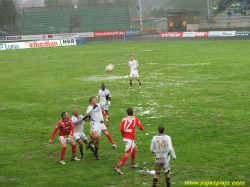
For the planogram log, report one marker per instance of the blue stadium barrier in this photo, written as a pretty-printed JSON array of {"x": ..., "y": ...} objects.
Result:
[{"x": 80, "y": 41}]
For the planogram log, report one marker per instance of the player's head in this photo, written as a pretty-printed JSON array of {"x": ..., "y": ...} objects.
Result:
[
  {"x": 131, "y": 57},
  {"x": 65, "y": 115},
  {"x": 103, "y": 86},
  {"x": 130, "y": 112},
  {"x": 75, "y": 112},
  {"x": 92, "y": 101},
  {"x": 161, "y": 129}
]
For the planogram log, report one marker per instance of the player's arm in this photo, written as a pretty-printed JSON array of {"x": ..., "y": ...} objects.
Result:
[
  {"x": 105, "y": 114},
  {"x": 171, "y": 149},
  {"x": 138, "y": 123},
  {"x": 85, "y": 117},
  {"x": 152, "y": 147},
  {"x": 109, "y": 96},
  {"x": 72, "y": 130},
  {"x": 53, "y": 135},
  {"x": 122, "y": 129}
]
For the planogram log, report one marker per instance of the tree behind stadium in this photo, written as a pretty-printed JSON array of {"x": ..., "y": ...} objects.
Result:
[{"x": 8, "y": 14}]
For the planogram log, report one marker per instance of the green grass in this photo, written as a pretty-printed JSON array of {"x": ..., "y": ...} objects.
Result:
[{"x": 198, "y": 90}]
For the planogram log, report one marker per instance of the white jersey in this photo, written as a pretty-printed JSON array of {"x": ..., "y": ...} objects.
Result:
[
  {"x": 78, "y": 123},
  {"x": 102, "y": 95},
  {"x": 162, "y": 145},
  {"x": 133, "y": 66},
  {"x": 96, "y": 114}
]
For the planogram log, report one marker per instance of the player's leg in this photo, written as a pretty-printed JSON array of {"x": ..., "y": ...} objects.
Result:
[
  {"x": 167, "y": 179},
  {"x": 130, "y": 82},
  {"x": 155, "y": 180},
  {"x": 73, "y": 145},
  {"x": 78, "y": 139},
  {"x": 89, "y": 146},
  {"x": 128, "y": 150},
  {"x": 80, "y": 142},
  {"x": 63, "y": 150},
  {"x": 138, "y": 79},
  {"x": 166, "y": 170},
  {"x": 158, "y": 167},
  {"x": 96, "y": 139},
  {"x": 110, "y": 138},
  {"x": 133, "y": 155}
]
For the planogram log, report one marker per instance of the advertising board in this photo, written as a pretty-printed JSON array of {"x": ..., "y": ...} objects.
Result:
[
  {"x": 109, "y": 33},
  {"x": 170, "y": 34},
  {"x": 67, "y": 42},
  {"x": 132, "y": 32},
  {"x": 43, "y": 43}
]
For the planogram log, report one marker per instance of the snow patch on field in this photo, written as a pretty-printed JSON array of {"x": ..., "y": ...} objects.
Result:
[{"x": 100, "y": 78}]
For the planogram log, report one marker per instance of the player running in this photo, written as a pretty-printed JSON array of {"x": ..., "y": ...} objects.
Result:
[
  {"x": 127, "y": 129},
  {"x": 161, "y": 145},
  {"x": 66, "y": 133},
  {"x": 133, "y": 70},
  {"x": 79, "y": 135}
]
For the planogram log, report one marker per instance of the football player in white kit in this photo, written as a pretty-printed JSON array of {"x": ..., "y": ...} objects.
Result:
[
  {"x": 161, "y": 145},
  {"x": 102, "y": 94},
  {"x": 133, "y": 70},
  {"x": 79, "y": 135},
  {"x": 94, "y": 111}
]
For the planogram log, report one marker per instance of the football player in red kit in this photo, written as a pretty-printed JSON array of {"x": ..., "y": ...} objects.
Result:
[
  {"x": 66, "y": 133},
  {"x": 127, "y": 129}
]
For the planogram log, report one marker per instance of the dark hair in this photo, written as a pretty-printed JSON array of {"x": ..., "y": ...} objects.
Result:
[
  {"x": 103, "y": 84},
  {"x": 63, "y": 113},
  {"x": 161, "y": 129},
  {"x": 90, "y": 99},
  {"x": 130, "y": 111}
]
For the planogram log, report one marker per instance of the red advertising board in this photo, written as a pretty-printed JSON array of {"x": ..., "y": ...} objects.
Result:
[
  {"x": 170, "y": 34},
  {"x": 201, "y": 34},
  {"x": 109, "y": 33}
]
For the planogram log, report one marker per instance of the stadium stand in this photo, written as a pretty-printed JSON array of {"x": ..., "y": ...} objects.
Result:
[
  {"x": 239, "y": 10},
  {"x": 106, "y": 17}
]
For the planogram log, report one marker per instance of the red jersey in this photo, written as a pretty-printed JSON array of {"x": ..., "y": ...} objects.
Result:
[
  {"x": 65, "y": 128},
  {"x": 128, "y": 125}
]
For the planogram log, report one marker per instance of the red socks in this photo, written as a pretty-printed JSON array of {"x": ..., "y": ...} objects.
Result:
[
  {"x": 63, "y": 152},
  {"x": 110, "y": 138},
  {"x": 133, "y": 155},
  {"x": 122, "y": 161},
  {"x": 74, "y": 151}
]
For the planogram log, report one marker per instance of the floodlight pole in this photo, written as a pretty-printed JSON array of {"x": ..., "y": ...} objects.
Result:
[
  {"x": 140, "y": 14},
  {"x": 207, "y": 9}
]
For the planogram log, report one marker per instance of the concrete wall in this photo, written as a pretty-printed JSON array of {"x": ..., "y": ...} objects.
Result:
[{"x": 236, "y": 24}]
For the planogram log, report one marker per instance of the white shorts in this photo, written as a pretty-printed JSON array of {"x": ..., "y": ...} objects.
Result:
[
  {"x": 95, "y": 126},
  {"x": 129, "y": 145},
  {"x": 103, "y": 127},
  {"x": 81, "y": 136},
  {"x": 64, "y": 139},
  {"x": 134, "y": 74},
  {"x": 162, "y": 166}
]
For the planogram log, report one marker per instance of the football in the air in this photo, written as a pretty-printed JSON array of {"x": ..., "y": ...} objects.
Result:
[{"x": 109, "y": 68}]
